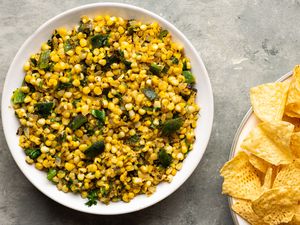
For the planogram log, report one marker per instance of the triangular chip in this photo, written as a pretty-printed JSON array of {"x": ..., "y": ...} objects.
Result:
[
  {"x": 277, "y": 205},
  {"x": 279, "y": 131},
  {"x": 268, "y": 100},
  {"x": 292, "y": 108},
  {"x": 295, "y": 144},
  {"x": 270, "y": 145},
  {"x": 289, "y": 175},
  {"x": 241, "y": 180},
  {"x": 258, "y": 163},
  {"x": 244, "y": 209}
]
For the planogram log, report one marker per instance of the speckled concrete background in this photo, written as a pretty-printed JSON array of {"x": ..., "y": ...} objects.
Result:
[{"x": 243, "y": 43}]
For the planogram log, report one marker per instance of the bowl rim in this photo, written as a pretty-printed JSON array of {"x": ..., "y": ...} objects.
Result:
[{"x": 198, "y": 59}]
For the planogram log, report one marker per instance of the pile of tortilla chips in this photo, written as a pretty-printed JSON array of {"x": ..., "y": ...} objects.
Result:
[{"x": 264, "y": 177}]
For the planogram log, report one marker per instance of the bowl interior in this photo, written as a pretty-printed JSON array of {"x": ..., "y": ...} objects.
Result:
[{"x": 15, "y": 77}]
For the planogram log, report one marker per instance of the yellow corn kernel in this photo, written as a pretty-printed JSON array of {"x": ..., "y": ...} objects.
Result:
[
  {"x": 39, "y": 166},
  {"x": 77, "y": 68},
  {"x": 80, "y": 176},
  {"x": 92, "y": 168},
  {"x": 102, "y": 62},
  {"x": 76, "y": 83},
  {"x": 97, "y": 174},
  {"x": 69, "y": 166},
  {"x": 83, "y": 147},
  {"x": 26, "y": 66},
  {"x": 83, "y": 42},
  {"x": 97, "y": 91},
  {"x": 51, "y": 137},
  {"x": 54, "y": 57},
  {"x": 86, "y": 90},
  {"x": 45, "y": 46},
  {"x": 79, "y": 133}
]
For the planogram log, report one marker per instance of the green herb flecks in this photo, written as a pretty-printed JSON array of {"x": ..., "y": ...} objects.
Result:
[{"x": 92, "y": 198}]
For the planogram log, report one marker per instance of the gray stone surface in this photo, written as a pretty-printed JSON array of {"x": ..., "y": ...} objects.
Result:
[{"x": 243, "y": 43}]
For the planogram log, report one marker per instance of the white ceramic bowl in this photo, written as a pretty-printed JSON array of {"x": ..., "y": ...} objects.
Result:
[{"x": 15, "y": 76}]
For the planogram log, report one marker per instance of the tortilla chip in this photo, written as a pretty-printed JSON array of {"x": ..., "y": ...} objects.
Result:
[
  {"x": 271, "y": 146},
  {"x": 277, "y": 205},
  {"x": 258, "y": 163},
  {"x": 244, "y": 209},
  {"x": 241, "y": 180},
  {"x": 289, "y": 175},
  {"x": 292, "y": 108},
  {"x": 295, "y": 144},
  {"x": 268, "y": 100},
  {"x": 279, "y": 132}
]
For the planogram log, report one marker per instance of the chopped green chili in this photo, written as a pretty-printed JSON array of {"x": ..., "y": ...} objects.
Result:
[
  {"x": 95, "y": 149},
  {"x": 171, "y": 126},
  {"x": 77, "y": 122},
  {"x": 43, "y": 62}
]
